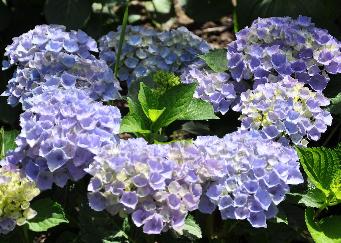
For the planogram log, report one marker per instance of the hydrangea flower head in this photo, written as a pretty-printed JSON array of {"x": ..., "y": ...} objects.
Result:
[
  {"x": 48, "y": 38},
  {"x": 60, "y": 70},
  {"x": 246, "y": 176},
  {"x": 61, "y": 133},
  {"x": 145, "y": 181},
  {"x": 285, "y": 111},
  {"x": 217, "y": 88},
  {"x": 280, "y": 46},
  {"x": 40, "y": 67},
  {"x": 15, "y": 196},
  {"x": 145, "y": 50}
]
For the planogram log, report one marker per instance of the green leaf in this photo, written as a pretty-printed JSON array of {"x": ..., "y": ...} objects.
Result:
[
  {"x": 154, "y": 114},
  {"x": 176, "y": 100},
  {"x": 191, "y": 228},
  {"x": 335, "y": 106},
  {"x": 314, "y": 198},
  {"x": 325, "y": 231},
  {"x": 198, "y": 110},
  {"x": 71, "y": 13},
  {"x": 148, "y": 99},
  {"x": 336, "y": 185},
  {"x": 320, "y": 164},
  {"x": 50, "y": 214},
  {"x": 132, "y": 124},
  {"x": 7, "y": 141},
  {"x": 216, "y": 60},
  {"x": 136, "y": 120},
  {"x": 162, "y": 6}
]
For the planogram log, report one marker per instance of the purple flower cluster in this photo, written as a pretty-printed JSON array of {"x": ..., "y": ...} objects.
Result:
[
  {"x": 48, "y": 57},
  {"x": 146, "y": 50},
  {"x": 242, "y": 174},
  {"x": 61, "y": 133},
  {"x": 145, "y": 181},
  {"x": 285, "y": 111},
  {"x": 246, "y": 176},
  {"x": 216, "y": 88},
  {"x": 280, "y": 46}
]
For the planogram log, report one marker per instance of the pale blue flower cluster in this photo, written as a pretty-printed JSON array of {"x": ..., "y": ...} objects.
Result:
[
  {"x": 242, "y": 174},
  {"x": 281, "y": 46},
  {"x": 285, "y": 111},
  {"x": 146, "y": 50},
  {"x": 61, "y": 133},
  {"x": 48, "y": 57}
]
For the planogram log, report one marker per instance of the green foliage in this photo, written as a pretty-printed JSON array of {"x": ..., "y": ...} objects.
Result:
[
  {"x": 336, "y": 185},
  {"x": 154, "y": 110},
  {"x": 191, "y": 228},
  {"x": 321, "y": 165},
  {"x": 326, "y": 230},
  {"x": 314, "y": 198},
  {"x": 71, "y": 13},
  {"x": 7, "y": 141},
  {"x": 50, "y": 214},
  {"x": 335, "y": 107},
  {"x": 216, "y": 60}
]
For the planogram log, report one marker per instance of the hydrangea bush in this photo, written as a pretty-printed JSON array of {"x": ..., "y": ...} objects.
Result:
[{"x": 131, "y": 166}]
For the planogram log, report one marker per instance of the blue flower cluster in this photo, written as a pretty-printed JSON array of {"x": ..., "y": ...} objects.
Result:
[
  {"x": 146, "y": 50},
  {"x": 216, "y": 88},
  {"x": 246, "y": 176},
  {"x": 48, "y": 57},
  {"x": 285, "y": 111},
  {"x": 145, "y": 181},
  {"x": 280, "y": 46},
  {"x": 243, "y": 174},
  {"x": 61, "y": 133}
]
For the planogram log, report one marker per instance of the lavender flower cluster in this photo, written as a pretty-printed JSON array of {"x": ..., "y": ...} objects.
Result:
[
  {"x": 217, "y": 88},
  {"x": 243, "y": 174},
  {"x": 49, "y": 57},
  {"x": 146, "y": 50},
  {"x": 280, "y": 46},
  {"x": 285, "y": 111},
  {"x": 61, "y": 133},
  {"x": 140, "y": 179},
  {"x": 246, "y": 176}
]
